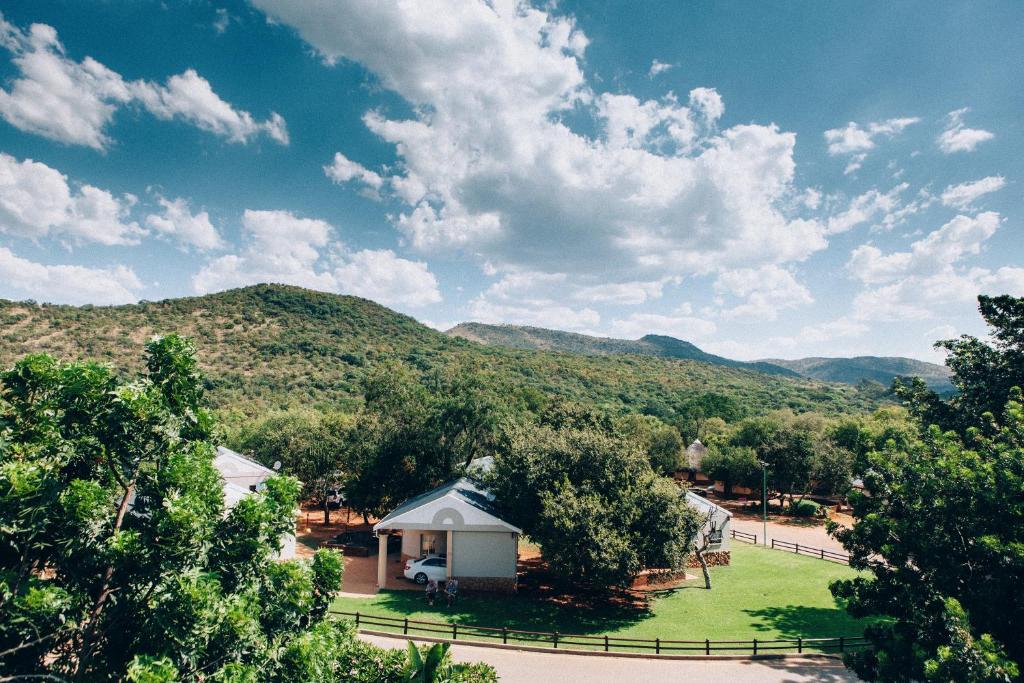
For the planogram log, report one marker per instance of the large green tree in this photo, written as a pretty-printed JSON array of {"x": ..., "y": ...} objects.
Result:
[
  {"x": 117, "y": 560},
  {"x": 940, "y": 525},
  {"x": 592, "y": 502}
]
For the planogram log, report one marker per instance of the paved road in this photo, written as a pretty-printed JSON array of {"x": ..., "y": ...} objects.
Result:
[{"x": 537, "y": 667}]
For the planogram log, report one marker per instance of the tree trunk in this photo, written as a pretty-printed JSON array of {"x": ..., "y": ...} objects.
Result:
[
  {"x": 704, "y": 567},
  {"x": 327, "y": 511}
]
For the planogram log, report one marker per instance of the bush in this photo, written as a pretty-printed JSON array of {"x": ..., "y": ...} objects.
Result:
[{"x": 805, "y": 508}]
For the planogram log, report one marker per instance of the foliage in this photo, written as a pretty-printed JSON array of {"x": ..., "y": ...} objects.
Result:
[
  {"x": 592, "y": 502},
  {"x": 272, "y": 347},
  {"x": 805, "y": 508},
  {"x": 117, "y": 560},
  {"x": 944, "y": 515},
  {"x": 310, "y": 445},
  {"x": 411, "y": 436},
  {"x": 733, "y": 466}
]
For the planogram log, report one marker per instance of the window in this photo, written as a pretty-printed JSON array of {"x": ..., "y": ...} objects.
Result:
[{"x": 434, "y": 563}]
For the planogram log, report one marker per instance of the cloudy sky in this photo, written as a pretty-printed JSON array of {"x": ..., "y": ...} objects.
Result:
[{"x": 763, "y": 179}]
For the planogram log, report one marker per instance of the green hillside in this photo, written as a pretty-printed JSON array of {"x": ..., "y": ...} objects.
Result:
[
  {"x": 845, "y": 370},
  {"x": 876, "y": 368},
  {"x": 271, "y": 346},
  {"x": 538, "y": 338}
]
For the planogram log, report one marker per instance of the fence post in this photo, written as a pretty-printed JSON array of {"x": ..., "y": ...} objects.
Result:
[
  {"x": 797, "y": 551},
  {"x": 799, "y": 644},
  {"x": 606, "y": 643},
  {"x": 405, "y": 626},
  {"x": 773, "y": 544},
  {"x": 657, "y": 646},
  {"x": 755, "y": 646},
  {"x": 455, "y": 631},
  {"x": 842, "y": 647},
  {"x": 707, "y": 646},
  {"x": 357, "y": 620},
  {"x": 554, "y": 639},
  {"x": 823, "y": 553},
  {"x": 504, "y": 635}
]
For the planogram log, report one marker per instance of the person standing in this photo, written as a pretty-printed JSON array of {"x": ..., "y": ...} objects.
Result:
[{"x": 431, "y": 591}]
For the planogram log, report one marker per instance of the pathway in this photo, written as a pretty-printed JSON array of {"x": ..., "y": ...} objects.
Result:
[
  {"x": 534, "y": 667},
  {"x": 804, "y": 532}
]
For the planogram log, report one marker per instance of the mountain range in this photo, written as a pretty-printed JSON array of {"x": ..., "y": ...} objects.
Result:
[
  {"x": 879, "y": 369},
  {"x": 270, "y": 347}
]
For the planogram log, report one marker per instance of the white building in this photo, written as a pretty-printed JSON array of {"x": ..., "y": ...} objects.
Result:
[
  {"x": 717, "y": 526},
  {"x": 456, "y": 520},
  {"x": 243, "y": 477}
]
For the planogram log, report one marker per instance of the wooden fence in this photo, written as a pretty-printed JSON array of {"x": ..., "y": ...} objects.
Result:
[
  {"x": 820, "y": 553},
  {"x": 604, "y": 643},
  {"x": 797, "y": 548}
]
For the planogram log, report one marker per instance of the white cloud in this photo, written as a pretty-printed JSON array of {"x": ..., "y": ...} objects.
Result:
[
  {"x": 36, "y": 201},
  {"x": 856, "y": 141},
  {"x": 914, "y": 284},
  {"x": 74, "y": 102},
  {"x": 957, "y": 137},
  {"x": 628, "y": 293},
  {"x": 177, "y": 221},
  {"x": 284, "y": 248},
  {"x": 68, "y": 284},
  {"x": 864, "y": 208},
  {"x": 382, "y": 276},
  {"x": 488, "y": 167},
  {"x": 679, "y": 325},
  {"x": 222, "y": 21},
  {"x": 658, "y": 67},
  {"x": 765, "y": 291},
  {"x": 962, "y": 196},
  {"x": 530, "y": 298},
  {"x": 343, "y": 170}
]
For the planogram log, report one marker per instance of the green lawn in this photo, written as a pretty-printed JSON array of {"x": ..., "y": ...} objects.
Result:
[{"x": 764, "y": 594}]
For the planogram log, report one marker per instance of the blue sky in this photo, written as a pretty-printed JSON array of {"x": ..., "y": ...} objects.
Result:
[{"x": 763, "y": 179}]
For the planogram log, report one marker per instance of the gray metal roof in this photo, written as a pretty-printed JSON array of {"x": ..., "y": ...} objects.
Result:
[{"x": 460, "y": 492}]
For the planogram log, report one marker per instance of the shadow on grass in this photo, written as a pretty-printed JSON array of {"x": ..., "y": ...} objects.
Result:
[{"x": 794, "y": 621}]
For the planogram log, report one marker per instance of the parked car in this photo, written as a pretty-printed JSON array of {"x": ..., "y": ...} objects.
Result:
[
  {"x": 361, "y": 543},
  {"x": 426, "y": 568},
  {"x": 335, "y": 498}
]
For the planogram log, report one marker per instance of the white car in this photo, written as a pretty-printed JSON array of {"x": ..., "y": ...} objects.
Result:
[{"x": 426, "y": 568}]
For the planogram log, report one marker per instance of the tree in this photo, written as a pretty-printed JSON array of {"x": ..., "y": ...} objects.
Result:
[
  {"x": 413, "y": 434},
  {"x": 702, "y": 543},
  {"x": 592, "y": 502},
  {"x": 733, "y": 466},
  {"x": 310, "y": 445},
  {"x": 940, "y": 526},
  {"x": 117, "y": 560}
]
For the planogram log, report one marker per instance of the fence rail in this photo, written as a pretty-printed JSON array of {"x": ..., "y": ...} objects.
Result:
[
  {"x": 744, "y": 536},
  {"x": 707, "y": 647},
  {"x": 820, "y": 553}
]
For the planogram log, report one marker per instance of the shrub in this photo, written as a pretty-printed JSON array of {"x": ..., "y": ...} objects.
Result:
[{"x": 805, "y": 508}]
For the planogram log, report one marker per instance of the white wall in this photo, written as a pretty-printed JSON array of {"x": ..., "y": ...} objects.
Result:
[{"x": 484, "y": 553}]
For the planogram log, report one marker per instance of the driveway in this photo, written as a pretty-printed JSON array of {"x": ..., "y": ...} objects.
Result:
[
  {"x": 805, "y": 532},
  {"x": 533, "y": 667}
]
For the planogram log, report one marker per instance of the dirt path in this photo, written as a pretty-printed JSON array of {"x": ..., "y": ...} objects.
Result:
[{"x": 534, "y": 667}]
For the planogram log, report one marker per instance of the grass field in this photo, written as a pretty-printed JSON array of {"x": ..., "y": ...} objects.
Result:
[{"x": 764, "y": 594}]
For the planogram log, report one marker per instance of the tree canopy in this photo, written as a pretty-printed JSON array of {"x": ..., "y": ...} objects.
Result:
[
  {"x": 940, "y": 524},
  {"x": 117, "y": 560}
]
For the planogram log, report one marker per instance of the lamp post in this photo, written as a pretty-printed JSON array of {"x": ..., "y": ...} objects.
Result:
[{"x": 764, "y": 501}]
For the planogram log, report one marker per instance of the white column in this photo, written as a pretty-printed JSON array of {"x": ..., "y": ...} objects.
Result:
[
  {"x": 449, "y": 550},
  {"x": 382, "y": 559}
]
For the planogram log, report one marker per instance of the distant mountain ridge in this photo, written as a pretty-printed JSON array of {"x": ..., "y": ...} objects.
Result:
[
  {"x": 541, "y": 339},
  {"x": 843, "y": 370},
  {"x": 876, "y": 368}
]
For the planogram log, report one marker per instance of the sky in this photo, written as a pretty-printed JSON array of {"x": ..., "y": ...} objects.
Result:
[{"x": 762, "y": 179}]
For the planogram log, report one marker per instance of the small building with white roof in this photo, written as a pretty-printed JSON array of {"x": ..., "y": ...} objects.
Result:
[
  {"x": 457, "y": 521},
  {"x": 243, "y": 477}
]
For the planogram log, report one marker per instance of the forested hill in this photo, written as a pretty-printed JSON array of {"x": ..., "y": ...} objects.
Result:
[
  {"x": 270, "y": 346},
  {"x": 538, "y": 338},
  {"x": 846, "y": 370},
  {"x": 877, "y": 368}
]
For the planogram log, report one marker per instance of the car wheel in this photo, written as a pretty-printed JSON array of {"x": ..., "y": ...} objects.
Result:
[{"x": 420, "y": 578}]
